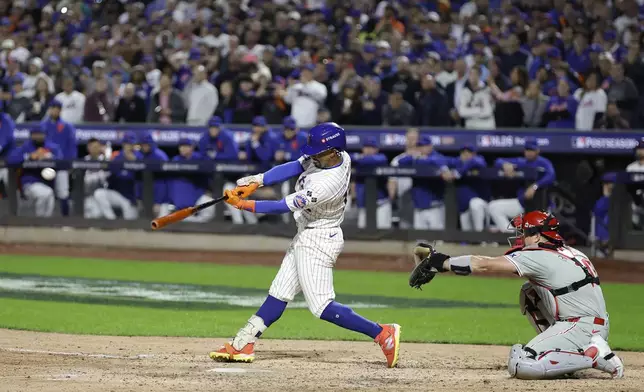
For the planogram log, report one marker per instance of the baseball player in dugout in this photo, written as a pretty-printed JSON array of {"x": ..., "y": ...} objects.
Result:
[
  {"x": 371, "y": 157},
  {"x": 562, "y": 298},
  {"x": 318, "y": 206},
  {"x": 501, "y": 210}
]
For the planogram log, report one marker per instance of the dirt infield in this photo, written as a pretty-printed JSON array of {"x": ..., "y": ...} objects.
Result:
[
  {"x": 609, "y": 270},
  {"x": 31, "y": 361}
]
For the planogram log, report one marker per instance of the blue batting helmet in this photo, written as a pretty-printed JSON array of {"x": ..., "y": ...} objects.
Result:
[{"x": 323, "y": 137}]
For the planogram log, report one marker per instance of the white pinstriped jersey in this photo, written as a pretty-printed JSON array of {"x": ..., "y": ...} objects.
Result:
[{"x": 320, "y": 196}]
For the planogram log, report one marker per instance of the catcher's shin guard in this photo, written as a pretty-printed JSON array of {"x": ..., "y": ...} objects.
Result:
[{"x": 525, "y": 364}]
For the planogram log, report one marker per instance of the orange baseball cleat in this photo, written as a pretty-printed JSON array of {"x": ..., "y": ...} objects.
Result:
[
  {"x": 229, "y": 354},
  {"x": 389, "y": 341}
]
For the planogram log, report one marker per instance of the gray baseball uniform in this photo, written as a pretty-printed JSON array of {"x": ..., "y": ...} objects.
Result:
[{"x": 577, "y": 314}]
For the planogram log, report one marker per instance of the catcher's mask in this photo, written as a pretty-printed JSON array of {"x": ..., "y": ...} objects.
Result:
[{"x": 534, "y": 222}]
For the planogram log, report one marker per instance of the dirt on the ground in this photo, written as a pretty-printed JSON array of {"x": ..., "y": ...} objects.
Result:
[
  {"x": 609, "y": 270},
  {"x": 33, "y": 361}
]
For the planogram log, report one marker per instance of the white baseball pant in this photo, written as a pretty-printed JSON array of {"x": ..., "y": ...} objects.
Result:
[
  {"x": 430, "y": 218},
  {"x": 91, "y": 208},
  {"x": 238, "y": 216},
  {"x": 202, "y": 216},
  {"x": 383, "y": 216},
  {"x": 475, "y": 216},
  {"x": 62, "y": 184},
  {"x": 107, "y": 199},
  {"x": 502, "y": 210},
  {"x": 556, "y": 351},
  {"x": 42, "y": 197},
  {"x": 308, "y": 267}
]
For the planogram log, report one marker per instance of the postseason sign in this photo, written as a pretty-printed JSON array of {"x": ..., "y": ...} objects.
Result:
[{"x": 394, "y": 139}]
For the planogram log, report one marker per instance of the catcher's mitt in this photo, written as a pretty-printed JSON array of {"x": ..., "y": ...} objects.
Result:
[{"x": 428, "y": 263}]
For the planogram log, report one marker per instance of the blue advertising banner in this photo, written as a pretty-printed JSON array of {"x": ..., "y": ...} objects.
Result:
[{"x": 393, "y": 139}]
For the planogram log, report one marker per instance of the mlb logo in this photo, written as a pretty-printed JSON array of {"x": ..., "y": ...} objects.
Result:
[
  {"x": 580, "y": 142},
  {"x": 485, "y": 141}
]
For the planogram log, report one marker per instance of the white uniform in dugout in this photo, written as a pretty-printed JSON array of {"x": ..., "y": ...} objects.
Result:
[{"x": 309, "y": 260}]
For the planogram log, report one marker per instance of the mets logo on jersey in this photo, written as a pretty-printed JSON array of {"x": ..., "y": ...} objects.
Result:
[{"x": 300, "y": 201}]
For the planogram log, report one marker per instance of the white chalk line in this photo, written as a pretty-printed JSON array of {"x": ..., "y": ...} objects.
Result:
[{"x": 75, "y": 354}]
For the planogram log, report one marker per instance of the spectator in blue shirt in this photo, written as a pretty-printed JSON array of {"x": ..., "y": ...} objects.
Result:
[
  {"x": 472, "y": 192},
  {"x": 502, "y": 210},
  {"x": 561, "y": 109},
  {"x": 188, "y": 189},
  {"x": 579, "y": 56},
  {"x": 373, "y": 99},
  {"x": 261, "y": 146},
  {"x": 427, "y": 193},
  {"x": 370, "y": 157},
  {"x": 218, "y": 143}
]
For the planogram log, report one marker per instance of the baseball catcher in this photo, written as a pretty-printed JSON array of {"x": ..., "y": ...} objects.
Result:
[{"x": 562, "y": 298}]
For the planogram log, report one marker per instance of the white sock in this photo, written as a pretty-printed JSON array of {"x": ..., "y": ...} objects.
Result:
[{"x": 249, "y": 333}]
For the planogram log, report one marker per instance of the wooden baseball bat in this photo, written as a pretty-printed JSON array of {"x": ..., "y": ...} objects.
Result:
[{"x": 182, "y": 214}]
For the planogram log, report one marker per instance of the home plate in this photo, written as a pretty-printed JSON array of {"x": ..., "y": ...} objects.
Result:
[{"x": 236, "y": 370}]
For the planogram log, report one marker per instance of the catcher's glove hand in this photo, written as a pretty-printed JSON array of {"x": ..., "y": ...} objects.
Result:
[{"x": 428, "y": 263}]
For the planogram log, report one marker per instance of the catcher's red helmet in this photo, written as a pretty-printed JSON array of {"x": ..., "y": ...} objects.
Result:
[{"x": 536, "y": 222}]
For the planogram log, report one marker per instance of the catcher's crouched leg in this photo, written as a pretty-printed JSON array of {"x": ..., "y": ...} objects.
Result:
[
  {"x": 538, "y": 305},
  {"x": 525, "y": 364}
]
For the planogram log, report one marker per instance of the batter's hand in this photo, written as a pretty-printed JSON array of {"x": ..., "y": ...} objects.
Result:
[
  {"x": 237, "y": 202},
  {"x": 245, "y": 190},
  {"x": 257, "y": 178}
]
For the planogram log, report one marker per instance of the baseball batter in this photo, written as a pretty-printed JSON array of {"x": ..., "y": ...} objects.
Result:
[
  {"x": 562, "y": 299},
  {"x": 318, "y": 205}
]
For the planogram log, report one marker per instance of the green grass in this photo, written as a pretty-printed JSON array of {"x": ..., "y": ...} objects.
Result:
[{"x": 454, "y": 325}]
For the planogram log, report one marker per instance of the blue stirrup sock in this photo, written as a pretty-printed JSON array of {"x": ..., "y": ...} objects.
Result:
[
  {"x": 271, "y": 310},
  {"x": 343, "y": 316}
]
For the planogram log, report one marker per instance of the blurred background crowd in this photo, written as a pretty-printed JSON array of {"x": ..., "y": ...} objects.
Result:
[{"x": 477, "y": 64}]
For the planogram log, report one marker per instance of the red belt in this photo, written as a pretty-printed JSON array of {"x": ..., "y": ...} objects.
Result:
[{"x": 597, "y": 320}]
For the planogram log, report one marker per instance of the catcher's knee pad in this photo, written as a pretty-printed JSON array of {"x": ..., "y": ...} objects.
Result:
[
  {"x": 525, "y": 364},
  {"x": 538, "y": 305}
]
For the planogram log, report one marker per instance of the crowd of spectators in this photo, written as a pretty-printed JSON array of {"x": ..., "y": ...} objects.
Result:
[{"x": 477, "y": 64}]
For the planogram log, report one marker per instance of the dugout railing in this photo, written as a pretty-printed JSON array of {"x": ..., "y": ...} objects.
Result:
[{"x": 218, "y": 173}]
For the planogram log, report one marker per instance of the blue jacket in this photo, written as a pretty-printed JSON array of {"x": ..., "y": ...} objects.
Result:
[
  {"x": 160, "y": 185},
  {"x": 7, "y": 127},
  {"x": 183, "y": 191},
  {"x": 221, "y": 148},
  {"x": 20, "y": 155},
  {"x": 262, "y": 151},
  {"x": 369, "y": 160},
  {"x": 601, "y": 218},
  {"x": 124, "y": 181},
  {"x": 560, "y": 112},
  {"x": 579, "y": 62},
  {"x": 63, "y": 134},
  {"x": 426, "y": 192},
  {"x": 291, "y": 147},
  {"x": 469, "y": 186},
  {"x": 543, "y": 165}
]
